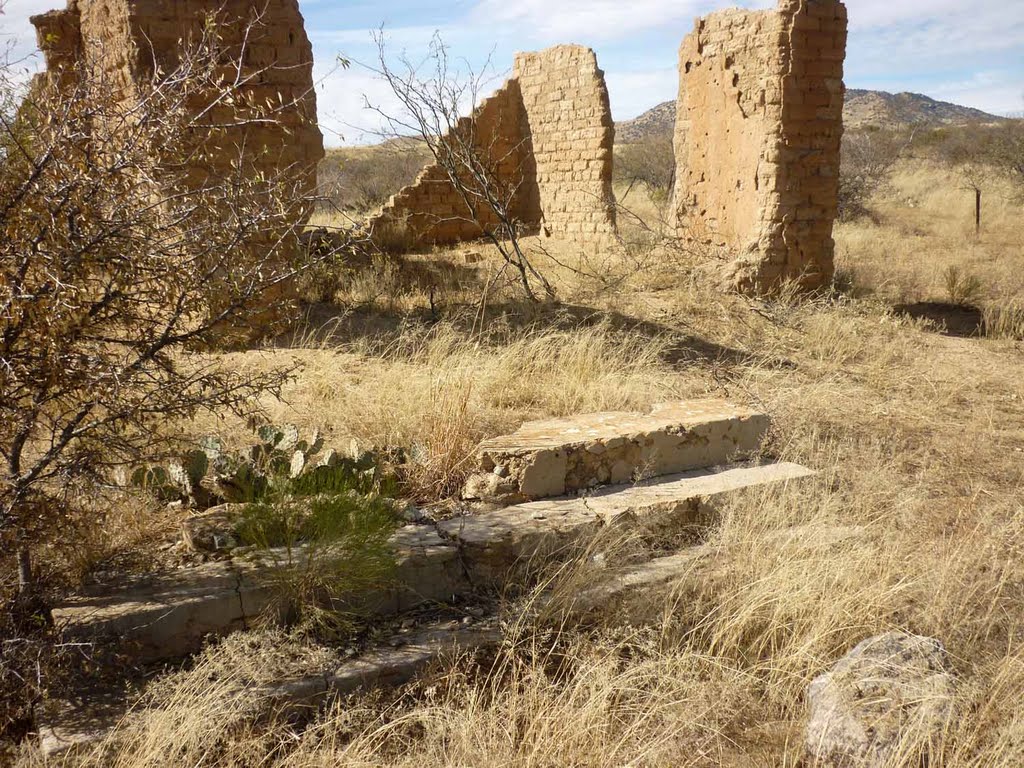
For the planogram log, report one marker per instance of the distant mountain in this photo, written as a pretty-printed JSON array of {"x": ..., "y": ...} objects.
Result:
[
  {"x": 888, "y": 110},
  {"x": 657, "y": 121},
  {"x": 863, "y": 108}
]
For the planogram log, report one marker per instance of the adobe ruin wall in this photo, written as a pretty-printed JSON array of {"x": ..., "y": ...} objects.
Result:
[
  {"x": 757, "y": 139},
  {"x": 548, "y": 135},
  {"x": 757, "y": 136},
  {"x": 128, "y": 42}
]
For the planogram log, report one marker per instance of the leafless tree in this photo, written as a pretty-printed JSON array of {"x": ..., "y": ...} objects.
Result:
[
  {"x": 439, "y": 106},
  {"x": 982, "y": 156},
  {"x": 1007, "y": 152},
  {"x": 650, "y": 162},
  {"x": 119, "y": 260},
  {"x": 362, "y": 180},
  {"x": 867, "y": 162}
]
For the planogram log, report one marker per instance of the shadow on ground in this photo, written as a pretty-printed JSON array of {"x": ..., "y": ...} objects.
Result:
[
  {"x": 334, "y": 326},
  {"x": 959, "y": 320}
]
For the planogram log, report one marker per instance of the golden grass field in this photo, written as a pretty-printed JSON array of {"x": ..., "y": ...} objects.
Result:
[{"x": 918, "y": 437}]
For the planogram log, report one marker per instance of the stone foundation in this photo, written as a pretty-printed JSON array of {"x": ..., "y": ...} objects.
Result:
[{"x": 758, "y": 130}]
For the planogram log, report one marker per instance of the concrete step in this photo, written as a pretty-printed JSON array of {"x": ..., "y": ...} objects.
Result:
[
  {"x": 558, "y": 456},
  {"x": 496, "y": 547},
  {"x": 169, "y": 616},
  {"x": 631, "y": 593}
]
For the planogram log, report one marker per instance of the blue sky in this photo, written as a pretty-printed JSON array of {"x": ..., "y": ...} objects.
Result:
[{"x": 967, "y": 51}]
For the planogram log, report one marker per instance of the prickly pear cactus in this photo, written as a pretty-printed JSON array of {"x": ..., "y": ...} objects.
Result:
[{"x": 211, "y": 474}]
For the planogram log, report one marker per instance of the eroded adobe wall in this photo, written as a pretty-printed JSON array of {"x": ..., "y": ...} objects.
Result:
[
  {"x": 758, "y": 128},
  {"x": 549, "y": 133},
  {"x": 431, "y": 211},
  {"x": 128, "y": 41},
  {"x": 572, "y": 134}
]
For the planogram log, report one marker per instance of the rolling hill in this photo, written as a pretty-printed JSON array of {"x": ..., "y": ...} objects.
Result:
[{"x": 863, "y": 108}]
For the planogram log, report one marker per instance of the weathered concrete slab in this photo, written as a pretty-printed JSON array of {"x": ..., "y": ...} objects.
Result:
[
  {"x": 497, "y": 544},
  {"x": 170, "y": 615},
  {"x": 557, "y": 456}
]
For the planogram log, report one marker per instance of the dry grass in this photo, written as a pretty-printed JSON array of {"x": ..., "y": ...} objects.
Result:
[
  {"x": 916, "y": 520},
  {"x": 925, "y": 225}
]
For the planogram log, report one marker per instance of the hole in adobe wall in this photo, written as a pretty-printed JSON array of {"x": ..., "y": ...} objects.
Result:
[{"x": 689, "y": 66}]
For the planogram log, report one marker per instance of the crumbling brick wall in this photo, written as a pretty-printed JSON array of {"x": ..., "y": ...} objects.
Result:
[
  {"x": 758, "y": 131},
  {"x": 431, "y": 210},
  {"x": 128, "y": 41},
  {"x": 548, "y": 133}
]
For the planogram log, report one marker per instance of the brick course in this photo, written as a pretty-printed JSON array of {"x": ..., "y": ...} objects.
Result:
[{"x": 129, "y": 41}]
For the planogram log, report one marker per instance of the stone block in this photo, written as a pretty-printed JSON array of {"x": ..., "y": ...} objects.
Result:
[
  {"x": 557, "y": 456},
  {"x": 497, "y": 547}
]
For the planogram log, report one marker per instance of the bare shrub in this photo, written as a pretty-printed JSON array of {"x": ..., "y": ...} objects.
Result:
[
  {"x": 358, "y": 181},
  {"x": 119, "y": 259},
  {"x": 982, "y": 156},
  {"x": 470, "y": 158},
  {"x": 650, "y": 162},
  {"x": 868, "y": 158},
  {"x": 1007, "y": 151}
]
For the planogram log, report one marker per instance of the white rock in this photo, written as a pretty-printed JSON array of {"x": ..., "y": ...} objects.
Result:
[{"x": 891, "y": 695}]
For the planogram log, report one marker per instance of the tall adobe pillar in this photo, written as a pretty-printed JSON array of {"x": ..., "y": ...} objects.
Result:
[
  {"x": 571, "y": 135},
  {"x": 757, "y": 138}
]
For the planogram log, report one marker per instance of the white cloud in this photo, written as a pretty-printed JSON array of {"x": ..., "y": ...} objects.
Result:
[
  {"x": 955, "y": 38},
  {"x": 342, "y": 97},
  {"x": 632, "y": 93},
  {"x": 585, "y": 20},
  {"x": 998, "y": 92},
  {"x": 907, "y": 44}
]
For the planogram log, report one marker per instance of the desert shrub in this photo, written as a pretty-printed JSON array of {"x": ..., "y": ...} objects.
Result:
[
  {"x": 322, "y": 519},
  {"x": 867, "y": 161},
  {"x": 325, "y": 552},
  {"x": 358, "y": 181},
  {"x": 650, "y": 162},
  {"x": 982, "y": 158},
  {"x": 962, "y": 288}
]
